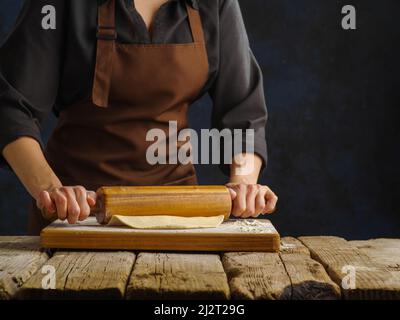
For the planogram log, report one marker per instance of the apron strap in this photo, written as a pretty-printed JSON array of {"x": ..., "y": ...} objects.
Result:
[
  {"x": 106, "y": 36},
  {"x": 195, "y": 24}
]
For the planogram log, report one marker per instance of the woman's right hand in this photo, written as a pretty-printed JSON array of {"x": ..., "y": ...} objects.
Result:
[{"x": 71, "y": 203}]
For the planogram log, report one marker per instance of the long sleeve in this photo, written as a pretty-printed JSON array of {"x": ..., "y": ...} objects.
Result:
[
  {"x": 30, "y": 63},
  {"x": 237, "y": 92}
]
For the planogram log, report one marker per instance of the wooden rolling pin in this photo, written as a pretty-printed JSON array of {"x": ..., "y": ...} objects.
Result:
[{"x": 184, "y": 201}]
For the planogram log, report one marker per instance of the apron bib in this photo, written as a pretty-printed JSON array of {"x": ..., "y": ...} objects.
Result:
[{"x": 136, "y": 88}]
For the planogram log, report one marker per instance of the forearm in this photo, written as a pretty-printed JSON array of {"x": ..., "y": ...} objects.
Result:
[
  {"x": 245, "y": 168},
  {"x": 26, "y": 158}
]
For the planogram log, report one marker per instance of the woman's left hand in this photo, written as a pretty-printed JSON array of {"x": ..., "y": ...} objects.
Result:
[{"x": 251, "y": 200}]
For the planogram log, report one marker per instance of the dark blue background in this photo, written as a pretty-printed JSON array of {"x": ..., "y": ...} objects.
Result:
[{"x": 333, "y": 133}]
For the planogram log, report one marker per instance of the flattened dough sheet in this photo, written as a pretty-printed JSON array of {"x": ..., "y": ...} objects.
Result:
[{"x": 166, "y": 222}]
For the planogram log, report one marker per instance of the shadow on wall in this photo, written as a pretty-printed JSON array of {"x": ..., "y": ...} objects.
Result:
[{"x": 333, "y": 107}]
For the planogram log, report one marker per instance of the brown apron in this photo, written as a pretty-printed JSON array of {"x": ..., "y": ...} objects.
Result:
[{"x": 137, "y": 87}]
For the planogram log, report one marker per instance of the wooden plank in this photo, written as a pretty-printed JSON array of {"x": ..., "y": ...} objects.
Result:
[
  {"x": 291, "y": 274},
  {"x": 257, "y": 276},
  {"x": 290, "y": 245},
  {"x": 381, "y": 251},
  {"x": 372, "y": 280},
  {"x": 83, "y": 275},
  {"x": 232, "y": 235},
  {"x": 384, "y": 253},
  {"x": 309, "y": 279},
  {"x": 178, "y": 276},
  {"x": 20, "y": 258}
]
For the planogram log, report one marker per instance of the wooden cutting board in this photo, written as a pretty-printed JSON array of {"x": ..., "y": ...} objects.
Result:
[{"x": 232, "y": 235}]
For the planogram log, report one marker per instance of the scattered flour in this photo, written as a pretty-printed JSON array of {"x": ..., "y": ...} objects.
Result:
[{"x": 251, "y": 225}]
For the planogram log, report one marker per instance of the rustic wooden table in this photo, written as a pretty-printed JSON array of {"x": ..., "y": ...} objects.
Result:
[{"x": 306, "y": 268}]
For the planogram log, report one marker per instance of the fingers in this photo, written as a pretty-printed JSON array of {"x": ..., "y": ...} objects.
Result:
[
  {"x": 271, "y": 201},
  {"x": 232, "y": 193},
  {"x": 251, "y": 200},
  {"x": 44, "y": 202},
  {"x": 260, "y": 202},
  {"x": 239, "y": 203},
  {"x": 70, "y": 203},
  {"x": 82, "y": 201},
  {"x": 61, "y": 203},
  {"x": 91, "y": 198},
  {"x": 252, "y": 191},
  {"x": 73, "y": 209}
]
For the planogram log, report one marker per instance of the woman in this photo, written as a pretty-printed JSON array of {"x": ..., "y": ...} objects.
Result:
[{"x": 112, "y": 70}]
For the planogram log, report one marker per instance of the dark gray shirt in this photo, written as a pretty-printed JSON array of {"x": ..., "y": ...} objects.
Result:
[{"x": 45, "y": 70}]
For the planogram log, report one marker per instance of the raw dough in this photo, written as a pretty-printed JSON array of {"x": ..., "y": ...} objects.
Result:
[{"x": 166, "y": 222}]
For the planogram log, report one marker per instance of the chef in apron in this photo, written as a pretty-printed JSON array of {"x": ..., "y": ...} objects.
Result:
[{"x": 101, "y": 139}]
